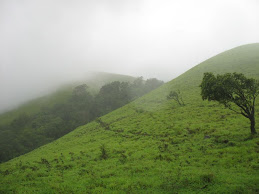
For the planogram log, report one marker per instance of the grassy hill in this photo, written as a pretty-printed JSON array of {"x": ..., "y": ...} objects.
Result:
[
  {"x": 49, "y": 118},
  {"x": 152, "y": 145}
]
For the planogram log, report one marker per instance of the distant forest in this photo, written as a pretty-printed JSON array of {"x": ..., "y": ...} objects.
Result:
[{"x": 26, "y": 133}]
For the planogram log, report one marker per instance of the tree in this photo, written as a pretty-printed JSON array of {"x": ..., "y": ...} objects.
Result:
[
  {"x": 152, "y": 84},
  {"x": 20, "y": 122},
  {"x": 80, "y": 94},
  {"x": 177, "y": 96},
  {"x": 137, "y": 88},
  {"x": 112, "y": 96},
  {"x": 234, "y": 91}
]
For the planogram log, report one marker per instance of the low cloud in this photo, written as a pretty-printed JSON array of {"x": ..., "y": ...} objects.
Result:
[{"x": 46, "y": 43}]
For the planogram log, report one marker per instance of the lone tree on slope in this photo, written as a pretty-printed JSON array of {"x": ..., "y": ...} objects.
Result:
[
  {"x": 232, "y": 89},
  {"x": 177, "y": 96}
]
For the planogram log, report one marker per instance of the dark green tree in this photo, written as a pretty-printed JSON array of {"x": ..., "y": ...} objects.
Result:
[
  {"x": 112, "y": 96},
  {"x": 234, "y": 91},
  {"x": 81, "y": 95},
  {"x": 137, "y": 88}
]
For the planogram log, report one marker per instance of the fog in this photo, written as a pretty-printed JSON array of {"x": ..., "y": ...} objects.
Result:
[{"x": 44, "y": 43}]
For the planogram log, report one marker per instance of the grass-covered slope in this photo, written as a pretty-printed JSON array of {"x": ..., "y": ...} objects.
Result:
[{"x": 152, "y": 145}]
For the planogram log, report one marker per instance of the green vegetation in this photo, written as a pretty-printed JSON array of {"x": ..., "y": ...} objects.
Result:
[
  {"x": 95, "y": 82},
  {"x": 176, "y": 95},
  {"x": 232, "y": 89},
  {"x": 27, "y": 132},
  {"x": 152, "y": 145}
]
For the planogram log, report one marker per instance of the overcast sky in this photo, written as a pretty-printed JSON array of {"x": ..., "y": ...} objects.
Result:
[{"x": 46, "y": 42}]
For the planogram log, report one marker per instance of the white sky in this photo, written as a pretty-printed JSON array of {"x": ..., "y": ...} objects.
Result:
[{"x": 46, "y": 42}]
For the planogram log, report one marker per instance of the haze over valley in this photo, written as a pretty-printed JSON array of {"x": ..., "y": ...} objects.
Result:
[{"x": 44, "y": 44}]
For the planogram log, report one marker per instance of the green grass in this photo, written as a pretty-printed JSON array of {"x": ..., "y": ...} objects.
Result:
[{"x": 152, "y": 145}]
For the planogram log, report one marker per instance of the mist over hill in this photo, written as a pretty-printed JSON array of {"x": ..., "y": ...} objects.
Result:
[
  {"x": 138, "y": 38},
  {"x": 48, "y": 118},
  {"x": 12, "y": 96}
]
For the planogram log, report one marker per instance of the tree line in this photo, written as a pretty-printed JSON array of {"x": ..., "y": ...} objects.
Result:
[{"x": 26, "y": 133}]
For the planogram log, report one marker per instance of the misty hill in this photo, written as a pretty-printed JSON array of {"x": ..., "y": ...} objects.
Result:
[
  {"x": 48, "y": 118},
  {"x": 94, "y": 80},
  {"x": 152, "y": 145}
]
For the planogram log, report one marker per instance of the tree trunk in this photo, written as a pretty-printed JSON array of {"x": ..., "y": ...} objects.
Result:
[{"x": 252, "y": 120}]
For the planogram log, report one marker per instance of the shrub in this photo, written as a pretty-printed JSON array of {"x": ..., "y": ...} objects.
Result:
[{"x": 104, "y": 154}]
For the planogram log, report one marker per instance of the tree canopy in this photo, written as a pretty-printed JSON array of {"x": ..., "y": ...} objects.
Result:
[{"x": 234, "y": 91}]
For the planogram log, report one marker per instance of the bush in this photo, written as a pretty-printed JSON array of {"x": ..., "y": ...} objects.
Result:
[{"x": 104, "y": 154}]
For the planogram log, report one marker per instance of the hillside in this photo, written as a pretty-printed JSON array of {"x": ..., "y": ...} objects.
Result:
[
  {"x": 65, "y": 110},
  {"x": 95, "y": 81},
  {"x": 152, "y": 145}
]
